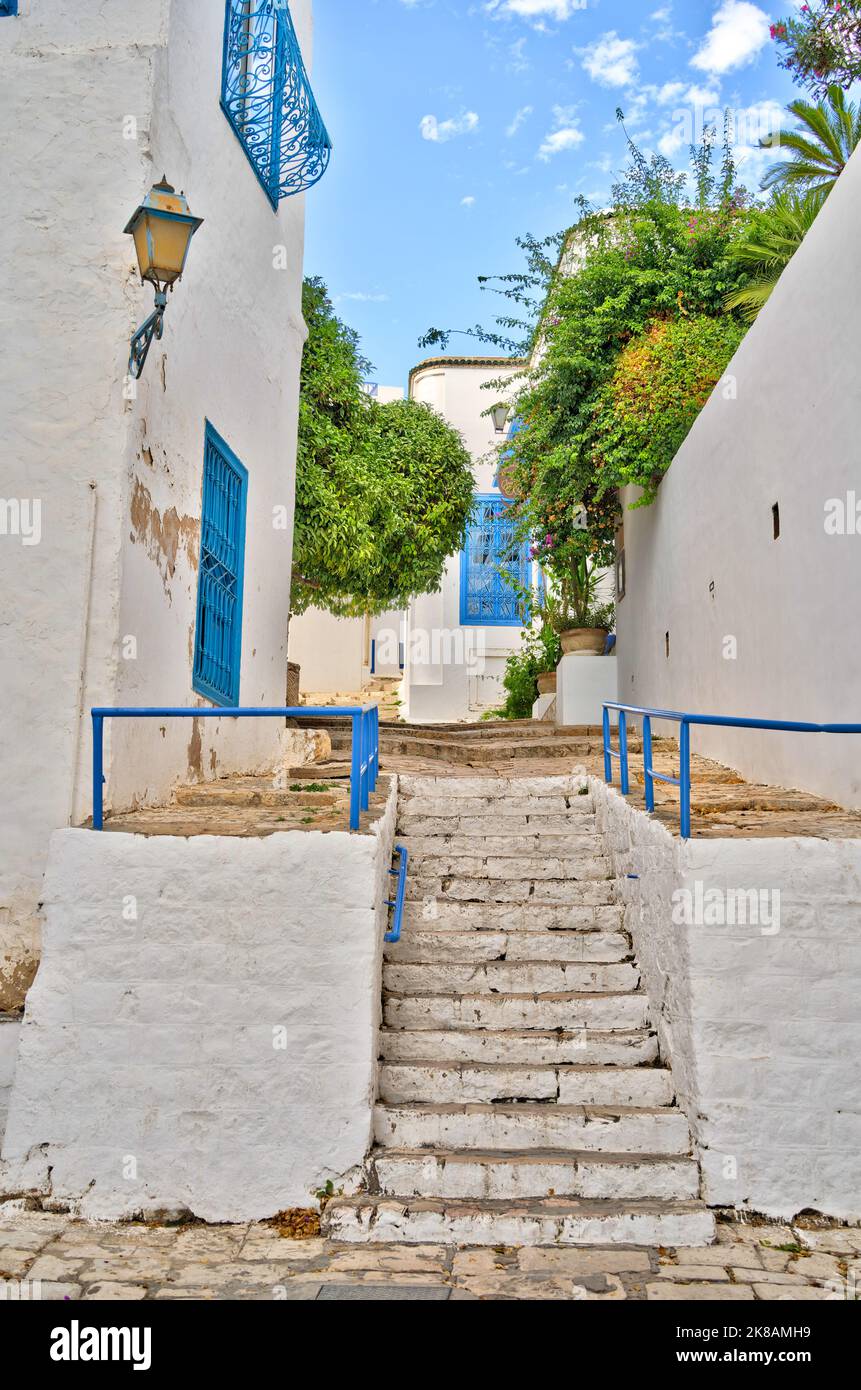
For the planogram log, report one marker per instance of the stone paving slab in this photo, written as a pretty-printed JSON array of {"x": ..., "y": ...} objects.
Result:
[{"x": 751, "y": 1262}]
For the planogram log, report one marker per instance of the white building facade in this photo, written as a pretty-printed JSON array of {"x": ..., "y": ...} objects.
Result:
[
  {"x": 145, "y": 553},
  {"x": 459, "y": 639}
]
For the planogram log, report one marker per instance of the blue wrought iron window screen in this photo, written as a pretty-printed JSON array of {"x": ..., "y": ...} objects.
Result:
[
  {"x": 493, "y": 557},
  {"x": 218, "y": 630},
  {"x": 267, "y": 98},
  {"x": 8, "y": 7}
]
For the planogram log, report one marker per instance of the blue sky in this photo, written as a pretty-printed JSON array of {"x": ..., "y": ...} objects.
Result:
[{"x": 461, "y": 124}]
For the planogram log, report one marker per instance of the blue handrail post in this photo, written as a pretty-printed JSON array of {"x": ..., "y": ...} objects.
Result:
[
  {"x": 608, "y": 761},
  {"x": 394, "y": 935},
  {"x": 623, "y": 751},
  {"x": 366, "y": 760},
  {"x": 375, "y": 747},
  {"x": 685, "y": 779},
  {"x": 647, "y": 763},
  {"x": 356, "y": 773},
  {"x": 98, "y": 772}
]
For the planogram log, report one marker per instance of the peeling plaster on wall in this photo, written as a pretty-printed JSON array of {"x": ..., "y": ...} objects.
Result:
[
  {"x": 162, "y": 536},
  {"x": 761, "y": 1030}
]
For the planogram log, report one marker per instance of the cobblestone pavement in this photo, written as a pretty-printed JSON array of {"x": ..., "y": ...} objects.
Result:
[{"x": 74, "y": 1260}]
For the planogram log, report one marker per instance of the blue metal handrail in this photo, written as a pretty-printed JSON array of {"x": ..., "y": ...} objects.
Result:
[
  {"x": 686, "y": 722},
  {"x": 400, "y": 873},
  {"x": 364, "y": 765}
]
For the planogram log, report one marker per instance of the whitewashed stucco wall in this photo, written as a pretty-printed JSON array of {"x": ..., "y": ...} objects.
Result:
[
  {"x": 118, "y": 480},
  {"x": 760, "y": 1025},
  {"x": 793, "y": 605},
  {"x": 220, "y": 1052},
  {"x": 451, "y": 683}
]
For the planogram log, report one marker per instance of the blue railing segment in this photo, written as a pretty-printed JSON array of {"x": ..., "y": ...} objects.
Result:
[
  {"x": 686, "y": 722},
  {"x": 397, "y": 902},
  {"x": 365, "y": 758}
]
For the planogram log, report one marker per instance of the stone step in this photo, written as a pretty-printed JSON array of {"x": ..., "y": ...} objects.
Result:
[
  {"x": 604, "y": 1012},
  {"x": 484, "y": 752},
  {"x": 530, "y": 1125},
  {"x": 510, "y": 977},
  {"x": 525, "y": 918},
  {"x": 578, "y": 868},
  {"x": 554, "y": 1222},
  {"x": 406, "y": 1174},
  {"x": 574, "y": 845},
  {"x": 574, "y": 811},
  {"x": 635, "y": 1047},
  {"x": 461, "y": 1083},
  {"x": 488, "y": 822},
  {"x": 439, "y": 947},
  {"x": 596, "y": 892}
]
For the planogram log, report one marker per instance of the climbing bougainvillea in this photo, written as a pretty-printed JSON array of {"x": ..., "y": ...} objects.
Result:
[{"x": 821, "y": 44}]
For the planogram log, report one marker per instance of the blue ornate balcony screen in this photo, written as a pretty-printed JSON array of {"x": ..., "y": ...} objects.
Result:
[
  {"x": 218, "y": 632},
  {"x": 492, "y": 557},
  {"x": 267, "y": 97}
]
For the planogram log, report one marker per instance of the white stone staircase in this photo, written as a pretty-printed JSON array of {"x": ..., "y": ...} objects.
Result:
[{"x": 521, "y": 1097}]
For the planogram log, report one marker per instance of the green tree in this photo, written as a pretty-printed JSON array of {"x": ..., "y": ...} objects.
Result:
[
  {"x": 822, "y": 44},
  {"x": 383, "y": 492},
  {"x": 830, "y": 132},
  {"x": 771, "y": 239}
]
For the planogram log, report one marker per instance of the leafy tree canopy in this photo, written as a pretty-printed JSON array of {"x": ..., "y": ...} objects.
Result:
[
  {"x": 383, "y": 492},
  {"x": 821, "y": 44}
]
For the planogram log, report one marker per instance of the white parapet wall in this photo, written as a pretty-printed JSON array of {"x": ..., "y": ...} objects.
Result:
[
  {"x": 202, "y": 1032},
  {"x": 751, "y": 955},
  {"x": 583, "y": 684},
  {"x": 10, "y": 1030}
]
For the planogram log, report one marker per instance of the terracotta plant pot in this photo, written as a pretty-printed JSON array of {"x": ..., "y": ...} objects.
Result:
[
  {"x": 584, "y": 641},
  {"x": 547, "y": 683}
]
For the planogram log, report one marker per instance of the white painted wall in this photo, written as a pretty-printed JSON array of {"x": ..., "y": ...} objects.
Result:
[
  {"x": 231, "y": 1054},
  {"x": 792, "y": 605},
  {"x": 455, "y": 672},
  {"x": 10, "y": 1032},
  {"x": 760, "y": 1026},
  {"x": 330, "y": 652},
  {"x": 118, "y": 480}
]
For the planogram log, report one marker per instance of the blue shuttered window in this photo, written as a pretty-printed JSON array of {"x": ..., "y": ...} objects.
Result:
[
  {"x": 492, "y": 554},
  {"x": 8, "y": 7},
  {"x": 218, "y": 633},
  {"x": 267, "y": 98}
]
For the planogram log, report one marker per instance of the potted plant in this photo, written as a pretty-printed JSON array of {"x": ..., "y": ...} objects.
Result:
[{"x": 572, "y": 605}]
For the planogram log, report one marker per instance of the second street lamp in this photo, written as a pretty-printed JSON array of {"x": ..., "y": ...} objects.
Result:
[{"x": 162, "y": 228}]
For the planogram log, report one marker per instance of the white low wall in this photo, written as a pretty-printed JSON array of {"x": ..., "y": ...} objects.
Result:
[
  {"x": 219, "y": 1053},
  {"x": 759, "y": 1021},
  {"x": 10, "y": 1031},
  {"x": 583, "y": 684},
  {"x": 721, "y": 618}
]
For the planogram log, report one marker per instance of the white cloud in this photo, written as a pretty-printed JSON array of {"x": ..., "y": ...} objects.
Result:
[
  {"x": 536, "y": 11},
  {"x": 440, "y": 131},
  {"x": 360, "y": 297},
  {"x": 566, "y": 136},
  {"x": 739, "y": 30},
  {"x": 468, "y": 202},
  {"x": 520, "y": 118},
  {"x": 612, "y": 61}
]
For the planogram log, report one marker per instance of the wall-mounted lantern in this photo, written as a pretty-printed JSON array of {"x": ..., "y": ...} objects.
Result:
[
  {"x": 162, "y": 228},
  {"x": 499, "y": 415}
]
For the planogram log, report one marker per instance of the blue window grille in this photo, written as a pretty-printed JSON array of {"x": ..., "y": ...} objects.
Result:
[
  {"x": 218, "y": 633},
  {"x": 267, "y": 98},
  {"x": 492, "y": 558},
  {"x": 9, "y": 7}
]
